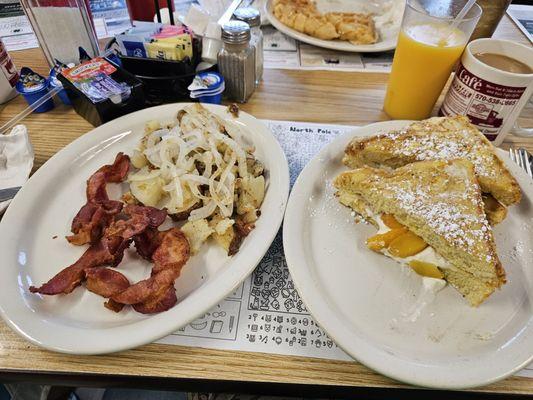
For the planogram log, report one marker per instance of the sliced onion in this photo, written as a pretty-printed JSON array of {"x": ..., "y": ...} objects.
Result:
[{"x": 203, "y": 212}]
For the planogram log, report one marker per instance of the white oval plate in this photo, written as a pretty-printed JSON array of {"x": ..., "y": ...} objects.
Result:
[
  {"x": 387, "y": 41},
  {"x": 362, "y": 299},
  {"x": 78, "y": 322}
]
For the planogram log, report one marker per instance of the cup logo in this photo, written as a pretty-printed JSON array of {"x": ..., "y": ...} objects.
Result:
[
  {"x": 486, "y": 104},
  {"x": 470, "y": 80}
]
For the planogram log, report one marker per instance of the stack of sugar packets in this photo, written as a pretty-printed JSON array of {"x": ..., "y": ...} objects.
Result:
[{"x": 155, "y": 40}]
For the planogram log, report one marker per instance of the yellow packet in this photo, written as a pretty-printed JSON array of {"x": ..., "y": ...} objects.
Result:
[
  {"x": 164, "y": 51},
  {"x": 183, "y": 41}
]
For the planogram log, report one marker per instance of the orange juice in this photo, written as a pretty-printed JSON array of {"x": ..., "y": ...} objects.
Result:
[{"x": 424, "y": 58}]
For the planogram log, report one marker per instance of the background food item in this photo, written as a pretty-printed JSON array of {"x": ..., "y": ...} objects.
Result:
[{"x": 303, "y": 16}]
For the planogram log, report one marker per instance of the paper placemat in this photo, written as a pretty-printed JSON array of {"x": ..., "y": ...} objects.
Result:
[
  {"x": 265, "y": 314},
  {"x": 284, "y": 52}
]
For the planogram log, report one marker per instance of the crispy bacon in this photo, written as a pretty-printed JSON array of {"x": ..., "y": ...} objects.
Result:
[
  {"x": 153, "y": 293},
  {"x": 140, "y": 219},
  {"x": 117, "y": 171},
  {"x": 164, "y": 300},
  {"x": 110, "y": 228},
  {"x": 108, "y": 251},
  {"x": 155, "y": 216},
  {"x": 105, "y": 282},
  {"x": 143, "y": 290},
  {"x": 89, "y": 223},
  {"x": 147, "y": 242}
]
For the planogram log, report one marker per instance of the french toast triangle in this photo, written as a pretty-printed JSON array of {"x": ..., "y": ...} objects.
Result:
[
  {"x": 444, "y": 138},
  {"x": 430, "y": 217}
]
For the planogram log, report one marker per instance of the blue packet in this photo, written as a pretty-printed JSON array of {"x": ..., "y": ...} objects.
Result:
[
  {"x": 134, "y": 49},
  {"x": 132, "y": 45}
]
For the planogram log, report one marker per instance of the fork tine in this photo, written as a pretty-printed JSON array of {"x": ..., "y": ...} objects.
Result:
[
  {"x": 525, "y": 159},
  {"x": 515, "y": 157},
  {"x": 518, "y": 159},
  {"x": 511, "y": 154}
]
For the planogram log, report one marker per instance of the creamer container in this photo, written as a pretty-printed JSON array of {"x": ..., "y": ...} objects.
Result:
[
  {"x": 236, "y": 61},
  {"x": 253, "y": 18},
  {"x": 34, "y": 86},
  {"x": 207, "y": 87},
  {"x": 54, "y": 82}
]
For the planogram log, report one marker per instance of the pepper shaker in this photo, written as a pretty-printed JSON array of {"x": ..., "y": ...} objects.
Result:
[
  {"x": 236, "y": 61},
  {"x": 253, "y": 18}
]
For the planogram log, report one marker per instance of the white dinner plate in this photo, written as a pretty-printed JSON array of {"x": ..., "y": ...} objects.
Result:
[
  {"x": 388, "y": 35},
  {"x": 363, "y": 299},
  {"x": 43, "y": 209}
]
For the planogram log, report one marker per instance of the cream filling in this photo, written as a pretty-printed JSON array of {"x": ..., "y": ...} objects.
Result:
[
  {"x": 428, "y": 255},
  {"x": 430, "y": 286}
]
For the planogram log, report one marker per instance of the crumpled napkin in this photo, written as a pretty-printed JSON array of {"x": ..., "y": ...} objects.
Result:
[{"x": 16, "y": 159}]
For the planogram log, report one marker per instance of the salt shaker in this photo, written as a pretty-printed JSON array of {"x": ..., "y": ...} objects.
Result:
[
  {"x": 253, "y": 18},
  {"x": 236, "y": 61}
]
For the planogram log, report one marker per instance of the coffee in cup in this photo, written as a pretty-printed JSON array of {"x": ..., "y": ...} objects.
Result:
[{"x": 492, "y": 84}]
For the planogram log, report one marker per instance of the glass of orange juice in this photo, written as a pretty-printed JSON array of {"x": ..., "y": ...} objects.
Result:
[{"x": 427, "y": 50}]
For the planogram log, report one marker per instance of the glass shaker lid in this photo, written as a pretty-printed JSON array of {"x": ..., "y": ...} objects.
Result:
[
  {"x": 236, "y": 32},
  {"x": 249, "y": 15}
]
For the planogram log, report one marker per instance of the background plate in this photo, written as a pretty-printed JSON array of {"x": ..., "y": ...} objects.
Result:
[
  {"x": 78, "y": 322},
  {"x": 385, "y": 43},
  {"x": 363, "y": 299}
]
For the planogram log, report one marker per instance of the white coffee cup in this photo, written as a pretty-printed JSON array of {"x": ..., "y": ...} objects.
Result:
[{"x": 491, "y": 98}]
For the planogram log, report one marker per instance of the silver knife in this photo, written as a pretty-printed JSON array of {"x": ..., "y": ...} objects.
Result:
[{"x": 9, "y": 193}]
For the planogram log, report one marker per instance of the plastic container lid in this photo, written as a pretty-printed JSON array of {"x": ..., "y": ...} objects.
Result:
[
  {"x": 206, "y": 81},
  {"x": 31, "y": 82}
]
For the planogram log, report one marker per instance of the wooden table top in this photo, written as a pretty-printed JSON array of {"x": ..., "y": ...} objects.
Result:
[{"x": 314, "y": 96}]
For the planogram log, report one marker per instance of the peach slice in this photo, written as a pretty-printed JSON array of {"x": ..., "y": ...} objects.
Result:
[
  {"x": 390, "y": 221},
  {"x": 426, "y": 269},
  {"x": 383, "y": 240},
  {"x": 407, "y": 244}
]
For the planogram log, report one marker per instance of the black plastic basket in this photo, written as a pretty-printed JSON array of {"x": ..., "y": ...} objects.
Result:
[
  {"x": 164, "y": 81},
  {"x": 104, "y": 111}
]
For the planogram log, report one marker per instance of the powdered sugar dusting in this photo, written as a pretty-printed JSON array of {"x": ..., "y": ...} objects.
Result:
[
  {"x": 445, "y": 211},
  {"x": 424, "y": 141}
]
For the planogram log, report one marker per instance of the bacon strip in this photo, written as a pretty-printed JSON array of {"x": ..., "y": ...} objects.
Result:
[
  {"x": 109, "y": 251},
  {"x": 106, "y": 283},
  {"x": 162, "y": 301},
  {"x": 147, "y": 242},
  {"x": 157, "y": 293},
  {"x": 89, "y": 223}
]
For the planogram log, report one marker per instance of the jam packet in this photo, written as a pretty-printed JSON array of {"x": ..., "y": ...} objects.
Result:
[{"x": 93, "y": 79}]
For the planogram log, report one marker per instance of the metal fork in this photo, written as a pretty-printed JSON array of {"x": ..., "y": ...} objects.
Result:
[{"x": 522, "y": 158}]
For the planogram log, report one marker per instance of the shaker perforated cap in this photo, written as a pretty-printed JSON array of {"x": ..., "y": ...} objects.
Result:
[
  {"x": 236, "y": 32},
  {"x": 249, "y": 15}
]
